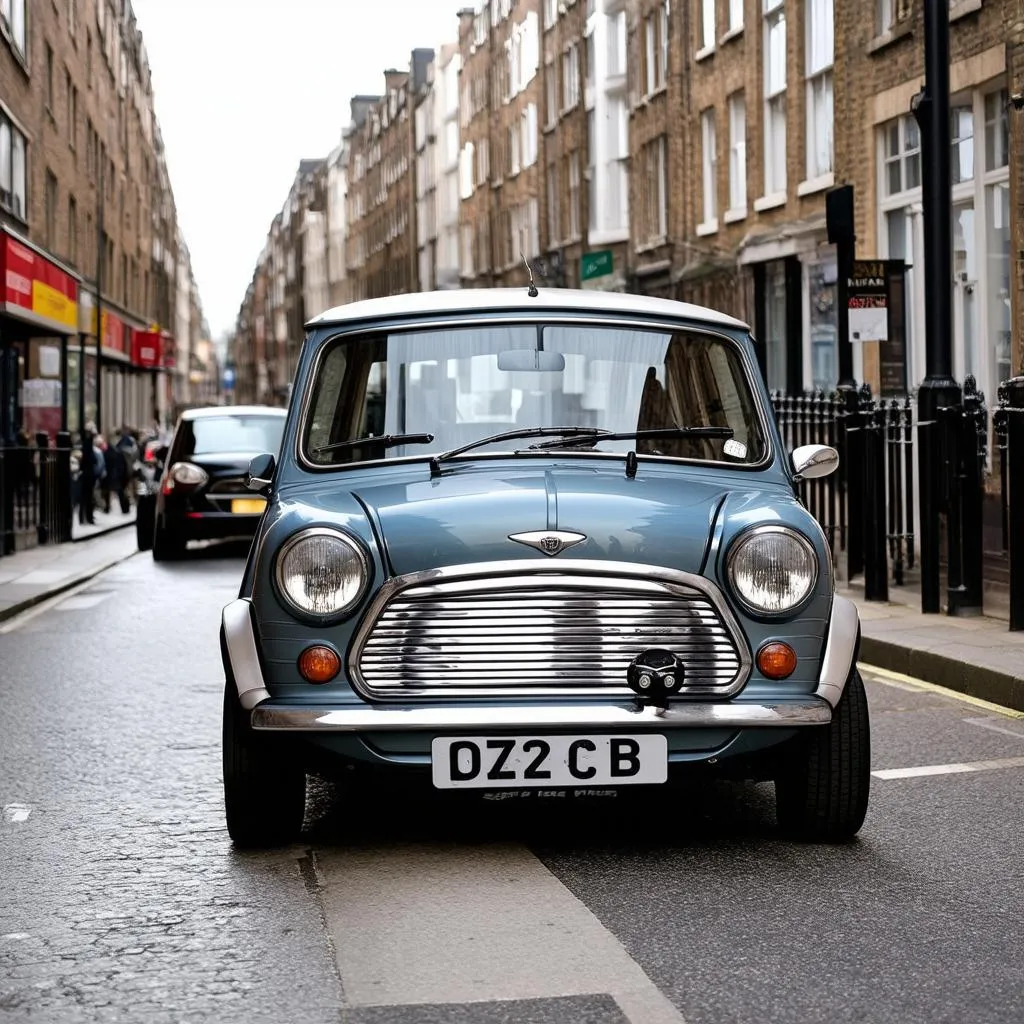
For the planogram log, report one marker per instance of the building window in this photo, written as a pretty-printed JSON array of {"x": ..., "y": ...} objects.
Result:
[
  {"x": 652, "y": 219},
  {"x": 655, "y": 49},
  {"x": 709, "y": 167},
  {"x": 49, "y": 78},
  {"x": 737, "y": 152},
  {"x": 997, "y": 140},
  {"x": 51, "y": 211},
  {"x": 574, "y": 195},
  {"x": 902, "y": 161},
  {"x": 550, "y": 94},
  {"x": 820, "y": 51},
  {"x": 550, "y": 12},
  {"x": 554, "y": 214},
  {"x": 12, "y": 18},
  {"x": 707, "y": 24},
  {"x": 884, "y": 15},
  {"x": 466, "y": 171},
  {"x": 513, "y": 149},
  {"x": 72, "y": 231},
  {"x": 617, "y": 45},
  {"x": 735, "y": 15},
  {"x": 962, "y": 137},
  {"x": 73, "y": 18},
  {"x": 529, "y": 127},
  {"x": 12, "y": 169},
  {"x": 774, "y": 47},
  {"x": 571, "y": 77}
]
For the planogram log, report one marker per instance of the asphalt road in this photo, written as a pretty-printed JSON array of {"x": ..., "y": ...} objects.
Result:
[{"x": 122, "y": 900}]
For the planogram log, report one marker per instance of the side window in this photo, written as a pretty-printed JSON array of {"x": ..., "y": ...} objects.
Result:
[{"x": 328, "y": 390}]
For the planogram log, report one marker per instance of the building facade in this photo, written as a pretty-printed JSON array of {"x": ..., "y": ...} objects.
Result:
[
  {"x": 337, "y": 224},
  {"x": 425, "y": 147},
  {"x": 446, "y": 164},
  {"x": 882, "y": 66},
  {"x": 85, "y": 206}
]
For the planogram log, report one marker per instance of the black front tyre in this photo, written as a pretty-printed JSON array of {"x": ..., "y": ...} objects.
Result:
[
  {"x": 821, "y": 792},
  {"x": 264, "y": 799}
]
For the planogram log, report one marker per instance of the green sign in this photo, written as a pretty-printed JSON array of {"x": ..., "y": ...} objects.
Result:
[{"x": 595, "y": 264}]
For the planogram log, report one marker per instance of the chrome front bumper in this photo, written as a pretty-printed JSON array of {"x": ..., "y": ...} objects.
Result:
[{"x": 814, "y": 709}]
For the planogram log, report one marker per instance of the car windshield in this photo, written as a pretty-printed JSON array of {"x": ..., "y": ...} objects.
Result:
[
  {"x": 230, "y": 434},
  {"x": 461, "y": 384}
]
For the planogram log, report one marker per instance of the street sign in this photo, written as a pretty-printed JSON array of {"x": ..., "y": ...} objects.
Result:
[
  {"x": 229, "y": 379},
  {"x": 596, "y": 264}
]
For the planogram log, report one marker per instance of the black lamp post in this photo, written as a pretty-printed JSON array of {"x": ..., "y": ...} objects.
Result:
[{"x": 939, "y": 390}]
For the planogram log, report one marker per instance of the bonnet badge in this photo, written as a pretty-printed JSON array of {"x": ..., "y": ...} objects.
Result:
[{"x": 550, "y": 542}]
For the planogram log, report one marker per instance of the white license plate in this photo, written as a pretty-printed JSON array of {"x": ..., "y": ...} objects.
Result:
[{"x": 515, "y": 762}]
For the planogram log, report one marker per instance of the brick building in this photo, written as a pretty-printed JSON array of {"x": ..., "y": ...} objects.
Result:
[
  {"x": 879, "y": 68},
  {"x": 564, "y": 126},
  {"x": 84, "y": 192},
  {"x": 382, "y": 190},
  {"x": 757, "y": 83}
]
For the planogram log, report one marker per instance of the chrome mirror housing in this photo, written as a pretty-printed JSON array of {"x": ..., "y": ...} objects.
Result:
[
  {"x": 813, "y": 461},
  {"x": 260, "y": 474}
]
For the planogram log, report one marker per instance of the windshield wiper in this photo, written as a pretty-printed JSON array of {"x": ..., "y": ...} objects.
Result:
[
  {"x": 512, "y": 435},
  {"x": 723, "y": 433},
  {"x": 383, "y": 440}
]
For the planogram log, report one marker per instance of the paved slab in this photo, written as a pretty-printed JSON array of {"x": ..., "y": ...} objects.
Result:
[
  {"x": 976, "y": 655},
  {"x": 30, "y": 577}
]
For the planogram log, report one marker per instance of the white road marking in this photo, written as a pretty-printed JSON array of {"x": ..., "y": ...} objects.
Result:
[
  {"x": 950, "y": 769},
  {"x": 459, "y": 924},
  {"x": 81, "y": 602},
  {"x": 15, "y": 935},
  {"x": 985, "y": 723},
  {"x": 17, "y": 813}
]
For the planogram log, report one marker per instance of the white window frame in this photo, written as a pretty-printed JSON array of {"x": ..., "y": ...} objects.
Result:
[
  {"x": 735, "y": 17},
  {"x": 13, "y": 24},
  {"x": 819, "y": 57},
  {"x": 570, "y": 77},
  {"x": 775, "y": 178},
  {"x": 709, "y": 172},
  {"x": 737, "y": 104},
  {"x": 707, "y": 28}
]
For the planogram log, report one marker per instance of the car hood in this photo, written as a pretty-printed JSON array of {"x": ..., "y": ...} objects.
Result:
[{"x": 658, "y": 518}]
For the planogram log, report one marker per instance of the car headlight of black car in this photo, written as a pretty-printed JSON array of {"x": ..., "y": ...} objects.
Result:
[
  {"x": 772, "y": 569},
  {"x": 322, "y": 573}
]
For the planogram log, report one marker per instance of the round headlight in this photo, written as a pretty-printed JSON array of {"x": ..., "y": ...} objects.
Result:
[
  {"x": 772, "y": 569},
  {"x": 322, "y": 572}
]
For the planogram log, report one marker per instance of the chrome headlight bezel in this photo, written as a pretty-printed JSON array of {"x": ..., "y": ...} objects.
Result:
[
  {"x": 339, "y": 614},
  {"x": 751, "y": 534}
]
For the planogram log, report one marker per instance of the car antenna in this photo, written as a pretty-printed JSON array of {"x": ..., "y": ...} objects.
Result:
[{"x": 532, "y": 290}]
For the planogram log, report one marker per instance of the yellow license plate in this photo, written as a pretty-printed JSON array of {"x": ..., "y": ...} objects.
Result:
[{"x": 248, "y": 506}]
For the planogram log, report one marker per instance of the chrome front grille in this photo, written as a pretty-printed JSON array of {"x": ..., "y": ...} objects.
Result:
[{"x": 543, "y": 632}]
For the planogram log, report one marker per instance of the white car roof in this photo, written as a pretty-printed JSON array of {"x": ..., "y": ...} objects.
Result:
[
  {"x": 469, "y": 300},
  {"x": 233, "y": 410}
]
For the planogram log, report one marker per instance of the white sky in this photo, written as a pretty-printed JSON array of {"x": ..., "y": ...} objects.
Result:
[{"x": 244, "y": 89}]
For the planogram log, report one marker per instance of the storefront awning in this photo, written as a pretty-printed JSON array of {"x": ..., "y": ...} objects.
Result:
[{"x": 35, "y": 288}]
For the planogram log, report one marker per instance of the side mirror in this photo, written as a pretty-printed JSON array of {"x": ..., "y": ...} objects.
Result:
[
  {"x": 813, "y": 461},
  {"x": 260, "y": 474}
]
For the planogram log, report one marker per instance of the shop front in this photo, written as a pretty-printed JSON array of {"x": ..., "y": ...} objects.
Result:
[
  {"x": 38, "y": 312},
  {"x": 122, "y": 393}
]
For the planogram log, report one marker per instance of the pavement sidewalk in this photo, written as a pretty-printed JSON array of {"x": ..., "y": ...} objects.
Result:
[
  {"x": 976, "y": 655},
  {"x": 105, "y": 522},
  {"x": 29, "y": 577}
]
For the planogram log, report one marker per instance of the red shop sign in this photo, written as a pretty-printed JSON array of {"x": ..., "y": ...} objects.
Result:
[
  {"x": 115, "y": 333},
  {"x": 146, "y": 347},
  {"x": 33, "y": 284}
]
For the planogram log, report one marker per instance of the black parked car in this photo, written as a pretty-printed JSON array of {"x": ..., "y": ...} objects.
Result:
[{"x": 202, "y": 493}]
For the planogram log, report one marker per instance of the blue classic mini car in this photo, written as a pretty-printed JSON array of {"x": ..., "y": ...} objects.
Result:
[{"x": 522, "y": 538}]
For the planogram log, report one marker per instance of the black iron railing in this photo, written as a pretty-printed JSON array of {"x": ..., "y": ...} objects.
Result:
[
  {"x": 1009, "y": 433},
  {"x": 35, "y": 494}
]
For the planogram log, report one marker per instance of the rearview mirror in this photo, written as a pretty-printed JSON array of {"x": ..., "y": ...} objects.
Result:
[
  {"x": 519, "y": 360},
  {"x": 813, "y": 461},
  {"x": 260, "y": 473}
]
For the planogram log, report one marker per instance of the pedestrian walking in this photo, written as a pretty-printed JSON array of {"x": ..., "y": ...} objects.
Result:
[
  {"x": 86, "y": 476},
  {"x": 119, "y": 463}
]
